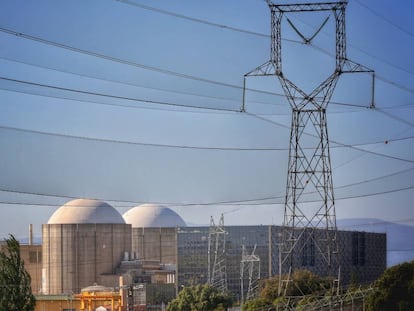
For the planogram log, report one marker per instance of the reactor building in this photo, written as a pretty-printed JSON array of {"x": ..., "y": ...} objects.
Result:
[
  {"x": 88, "y": 241},
  {"x": 84, "y": 242}
]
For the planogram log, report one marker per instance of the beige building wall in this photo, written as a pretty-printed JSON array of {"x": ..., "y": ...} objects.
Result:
[
  {"x": 76, "y": 255},
  {"x": 56, "y": 303},
  {"x": 32, "y": 257},
  {"x": 159, "y": 244}
]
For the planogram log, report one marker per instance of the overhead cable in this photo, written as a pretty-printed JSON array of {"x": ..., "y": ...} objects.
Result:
[
  {"x": 122, "y": 82},
  {"x": 392, "y": 23},
  {"x": 222, "y": 26},
  {"x": 150, "y": 68},
  {"x": 115, "y": 141},
  {"x": 72, "y": 90},
  {"x": 247, "y": 202},
  {"x": 197, "y": 20},
  {"x": 114, "y": 59},
  {"x": 351, "y": 146}
]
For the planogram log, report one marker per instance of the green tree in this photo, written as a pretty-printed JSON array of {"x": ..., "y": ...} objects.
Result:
[
  {"x": 304, "y": 287},
  {"x": 270, "y": 290},
  {"x": 394, "y": 290},
  {"x": 15, "y": 291},
  {"x": 303, "y": 282},
  {"x": 200, "y": 298},
  {"x": 257, "y": 304}
]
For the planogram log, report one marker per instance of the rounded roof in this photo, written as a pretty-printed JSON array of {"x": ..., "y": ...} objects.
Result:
[
  {"x": 86, "y": 211},
  {"x": 153, "y": 215},
  {"x": 96, "y": 288}
]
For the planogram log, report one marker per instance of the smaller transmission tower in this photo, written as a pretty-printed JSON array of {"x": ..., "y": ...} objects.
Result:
[
  {"x": 251, "y": 265},
  {"x": 217, "y": 276}
]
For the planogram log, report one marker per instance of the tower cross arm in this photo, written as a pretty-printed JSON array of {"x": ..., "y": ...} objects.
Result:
[
  {"x": 307, "y": 7},
  {"x": 349, "y": 66}
]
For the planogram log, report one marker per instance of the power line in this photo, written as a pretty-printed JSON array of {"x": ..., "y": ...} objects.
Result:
[
  {"x": 176, "y": 146},
  {"x": 376, "y": 193},
  {"x": 397, "y": 85},
  {"x": 115, "y": 141},
  {"x": 165, "y": 103},
  {"x": 382, "y": 60},
  {"x": 253, "y": 201},
  {"x": 150, "y": 101},
  {"x": 151, "y": 68},
  {"x": 118, "y": 105},
  {"x": 377, "y": 76},
  {"x": 376, "y": 178},
  {"x": 263, "y": 35},
  {"x": 355, "y": 147},
  {"x": 72, "y": 90},
  {"x": 392, "y": 23},
  {"x": 155, "y": 69},
  {"x": 124, "y": 83},
  {"x": 394, "y": 117},
  {"x": 197, "y": 20},
  {"x": 379, "y": 222},
  {"x": 177, "y": 204},
  {"x": 114, "y": 59}
]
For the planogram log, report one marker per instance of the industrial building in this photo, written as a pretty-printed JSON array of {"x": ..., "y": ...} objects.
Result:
[
  {"x": 363, "y": 254},
  {"x": 88, "y": 242},
  {"x": 84, "y": 242}
]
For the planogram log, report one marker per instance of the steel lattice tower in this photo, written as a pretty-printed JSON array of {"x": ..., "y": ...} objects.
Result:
[
  {"x": 249, "y": 263},
  {"x": 217, "y": 274},
  {"x": 309, "y": 232}
]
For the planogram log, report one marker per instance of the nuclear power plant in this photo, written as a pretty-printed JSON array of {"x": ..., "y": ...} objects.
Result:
[
  {"x": 151, "y": 252},
  {"x": 83, "y": 243}
]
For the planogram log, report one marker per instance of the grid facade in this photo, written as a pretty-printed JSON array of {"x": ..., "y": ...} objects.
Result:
[
  {"x": 362, "y": 254},
  {"x": 185, "y": 249},
  {"x": 192, "y": 263}
]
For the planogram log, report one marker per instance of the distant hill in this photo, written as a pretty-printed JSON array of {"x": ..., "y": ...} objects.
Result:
[{"x": 400, "y": 238}]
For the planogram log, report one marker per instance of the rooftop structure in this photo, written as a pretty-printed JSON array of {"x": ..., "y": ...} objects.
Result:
[
  {"x": 83, "y": 243},
  {"x": 153, "y": 215},
  {"x": 86, "y": 211}
]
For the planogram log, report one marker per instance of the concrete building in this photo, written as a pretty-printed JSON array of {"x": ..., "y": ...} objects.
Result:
[
  {"x": 88, "y": 241},
  {"x": 159, "y": 236},
  {"x": 32, "y": 257},
  {"x": 154, "y": 232},
  {"x": 84, "y": 242},
  {"x": 362, "y": 255}
]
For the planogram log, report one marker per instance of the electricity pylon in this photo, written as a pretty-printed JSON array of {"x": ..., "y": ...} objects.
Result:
[
  {"x": 217, "y": 274},
  {"x": 249, "y": 263},
  {"x": 309, "y": 237}
]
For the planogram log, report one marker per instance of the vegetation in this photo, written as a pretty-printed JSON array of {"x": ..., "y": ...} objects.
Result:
[
  {"x": 257, "y": 304},
  {"x": 200, "y": 298},
  {"x": 303, "y": 288},
  {"x": 15, "y": 291},
  {"x": 394, "y": 290}
]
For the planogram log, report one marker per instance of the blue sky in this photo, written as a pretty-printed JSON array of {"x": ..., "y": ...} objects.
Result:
[{"x": 98, "y": 97}]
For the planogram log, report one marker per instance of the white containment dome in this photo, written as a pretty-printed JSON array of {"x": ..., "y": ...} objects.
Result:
[
  {"x": 153, "y": 215},
  {"x": 83, "y": 242},
  {"x": 86, "y": 211}
]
